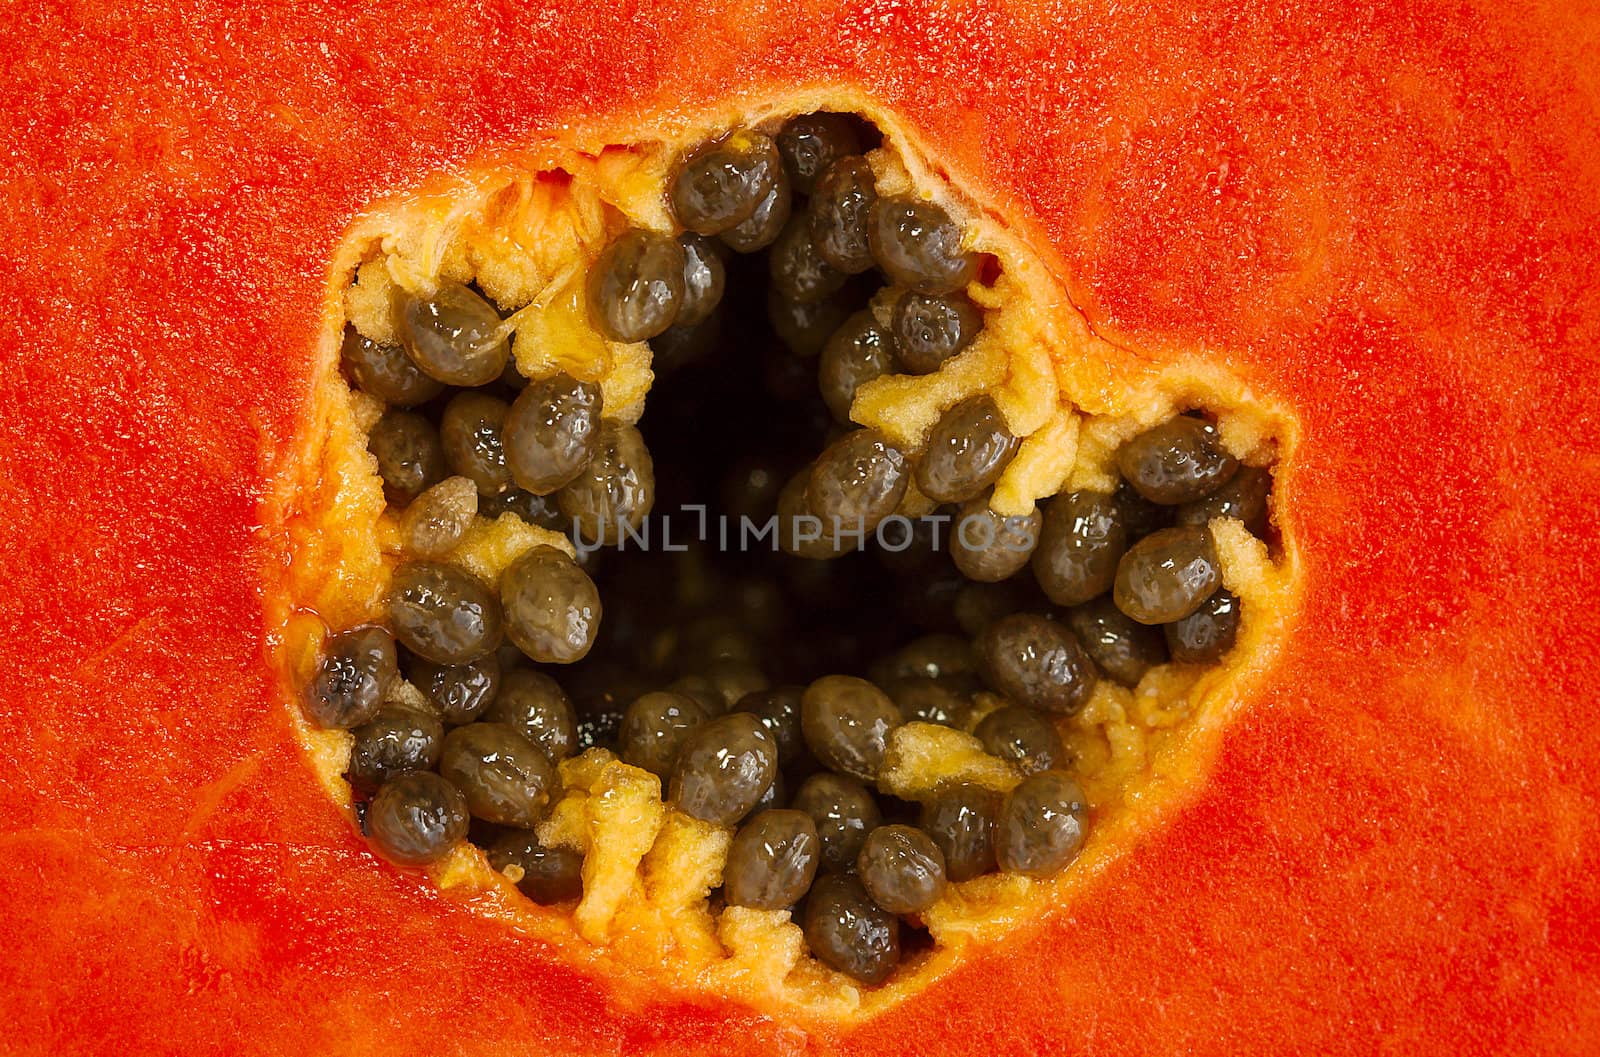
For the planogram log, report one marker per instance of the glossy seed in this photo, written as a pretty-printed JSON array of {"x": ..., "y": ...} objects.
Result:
[
  {"x": 460, "y": 692},
  {"x": 1179, "y": 461},
  {"x": 454, "y": 336},
  {"x": 410, "y": 458},
  {"x": 611, "y": 496},
  {"x": 1206, "y": 634},
  {"x": 552, "y": 608},
  {"x": 722, "y": 185},
  {"x": 805, "y": 327},
  {"x": 1167, "y": 575},
  {"x": 844, "y": 812},
  {"x": 1122, "y": 648},
  {"x": 772, "y": 860},
  {"x": 357, "y": 668},
  {"x": 416, "y": 819},
  {"x": 1023, "y": 737},
  {"x": 636, "y": 285},
  {"x": 392, "y": 742},
  {"x": 1036, "y": 662},
  {"x": 918, "y": 246},
  {"x": 850, "y": 933},
  {"x": 762, "y": 228},
  {"x": 924, "y": 700},
  {"x": 931, "y": 656},
  {"x": 839, "y": 211},
  {"x": 654, "y": 729},
  {"x": 552, "y": 432},
  {"x": 535, "y": 706},
  {"x": 538, "y": 510},
  {"x": 443, "y": 614},
  {"x": 846, "y": 723},
  {"x": 1080, "y": 543},
  {"x": 798, "y": 271},
  {"x": 681, "y": 346},
  {"x": 960, "y": 818},
  {"x": 902, "y": 869},
  {"x": 978, "y": 605},
  {"x": 967, "y": 451},
  {"x": 437, "y": 519},
  {"x": 809, "y": 143},
  {"x": 857, "y": 482},
  {"x": 1140, "y": 516},
  {"x": 778, "y": 709},
  {"x": 705, "y": 278},
  {"x": 385, "y": 371},
  {"x": 504, "y": 777},
  {"x": 547, "y": 874},
  {"x": 470, "y": 431},
  {"x": 801, "y": 532},
  {"x": 1244, "y": 498},
  {"x": 989, "y": 548},
  {"x": 860, "y": 351},
  {"x": 1042, "y": 825},
  {"x": 723, "y": 769},
  {"x": 930, "y": 330}
]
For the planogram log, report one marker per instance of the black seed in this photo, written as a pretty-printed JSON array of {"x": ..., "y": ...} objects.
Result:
[
  {"x": 846, "y": 722},
  {"x": 598, "y": 729},
  {"x": 930, "y": 330},
  {"x": 1042, "y": 825},
  {"x": 453, "y": 337},
  {"x": 1081, "y": 541},
  {"x": 682, "y": 346},
  {"x": 1036, "y": 662},
  {"x": 722, "y": 185},
  {"x": 918, "y": 246},
  {"x": 809, "y": 143},
  {"x": 967, "y": 451},
  {"x": 798, "y": 271},
  {"x": 857, "y": 482},
  {"x": 1206, "y": 634},
  {"x": 614, "y": 493},
  {"x": 724, "y": 768},
  {"x": 1122, "y": 648},
  {"x": 385, "y": 371},
  {"x": 461, "y": 692},
  {"x": 1023, "y": 737},
  {"x": 416, "y": 819},
  {"x": 443, "y": 614},
  {"x": 960, "y": 818},
  {"x": 538, "y": 510},
  {"x": 848, "y": 932},
  {"x": 470, "y": 433},
  {"x": 931, "y": 657},
  {"x": 772, "y": 860},
  {"x": 549, "y": 874},
  {"x": 800, "y": 531},
  {"x": 1179, "y": 461},
  {"x": 1140, "y": 516},
  {"x": 1244, "y": 498},
  {"x": 989, "y": 548},
  {"x": 552, "y": 607},
  {"x": 805, "y": 327},
  {"x": 535, "y": 706},
  {"x": 978, "y": 605},
  {"x": 778, "y": 709},
  {"x": 858, "y": 352},
  {"x": 839, "y": 212},
  {"x": 843, "y": 811},
  {"x": 504, "y": 777},
  {"x": 636, "y": 285},
  {"x": 552, "y": 432},
  {"x": 943, "y": 701},
  {"x": 357, "y": 667},
  {"x": 1167, "y": 575},
  {"x": 410, "y": 458},
  {"x": 763, "y": 226},
  {"x": 394, "y": 741},
  {"x": 705, "y": 277},
  {"x": 902, "y": 869},
  {"x": 654, "y": 729}
]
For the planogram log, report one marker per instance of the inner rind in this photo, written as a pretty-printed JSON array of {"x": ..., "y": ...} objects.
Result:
[{"x": 525, "y": 229}]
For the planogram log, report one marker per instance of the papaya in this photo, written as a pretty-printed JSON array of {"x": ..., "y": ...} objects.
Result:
[{"x": 1367, "y": 235}]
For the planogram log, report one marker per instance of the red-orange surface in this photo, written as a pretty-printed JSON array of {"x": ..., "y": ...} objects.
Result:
[{"x": 1387, "y": 217}]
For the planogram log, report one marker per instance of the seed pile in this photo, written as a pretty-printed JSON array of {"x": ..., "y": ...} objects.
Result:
[{"x": 761, "y": 684}]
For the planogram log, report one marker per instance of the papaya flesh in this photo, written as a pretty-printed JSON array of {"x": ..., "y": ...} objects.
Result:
[{"x": 1385, "y": 220}]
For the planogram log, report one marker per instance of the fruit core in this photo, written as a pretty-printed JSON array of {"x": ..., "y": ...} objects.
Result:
[{"x": 732, "y": 556}]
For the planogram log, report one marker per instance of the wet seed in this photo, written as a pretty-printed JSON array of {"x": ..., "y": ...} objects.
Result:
[
  {"x": 809, "y": 143},
  {"x": 772, "y": 860},
  {"x": 721, "y": 186},
  {"x": 454, "y": 336},
  {"x": 850, "y": 933},
  {"x": 918, "y": 246},
  {"x": 1023, "y": 737},
  {"x": 614, "y": 493},
  {"x": 636, "y": 286},
  {"x": 357, "y": 667},
  {"x": 410, "y": 458},
  {"x": 840, "y": 207},
  {"x": 416, "y": 819},
  {"x": 846, "y": 723},
  {"x": 552, "y": 608},
  {"x": 929, "y": 330},
  {"x": 967, "y": 451},
  {"x": 552, "y": 432},
  {"x": 1080, "y": 543},
  {"x": 504, "y": 777},
  {"x": 902, "y": 869},
  {"x": 443, "y": 614},
  {"x": 1167, "y": 575},
  {"x": 385, "y": 371},
  {"x": 1036, "y": 662},
  {"x": 1179, "y": 461},
  {"x": 1042, "y": 825},
  {"x": 857, "y": 353},
  {"x": 1206, "y": 634},
  {"x": 1122, "y": 648}
]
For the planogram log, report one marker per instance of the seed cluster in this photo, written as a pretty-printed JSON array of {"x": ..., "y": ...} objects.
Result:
[{"x": 763, "y": 688}]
